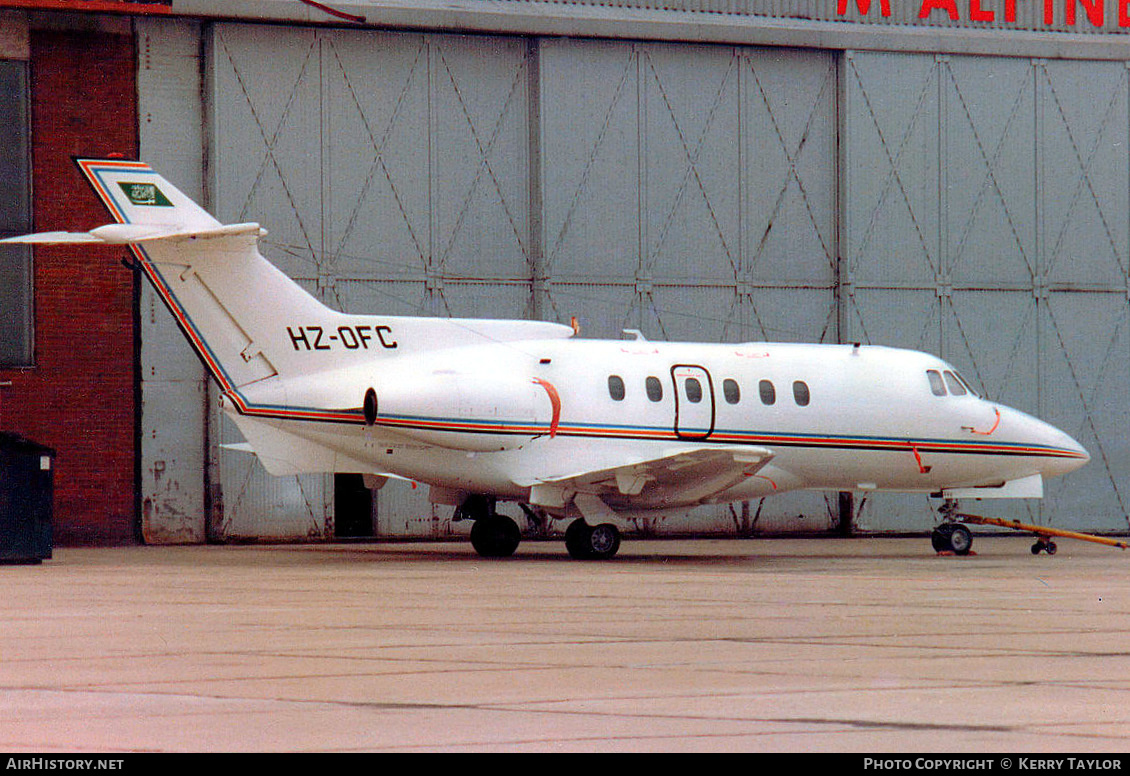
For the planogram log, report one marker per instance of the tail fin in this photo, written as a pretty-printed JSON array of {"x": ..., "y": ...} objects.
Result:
[
  {"x": 231, "y": 303},
  {"x": 245, "y": 318},
  {"x": 135, "y": 194}
]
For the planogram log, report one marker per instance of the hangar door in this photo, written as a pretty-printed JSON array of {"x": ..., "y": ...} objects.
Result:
[
  {"x": 391, "y": 173},
  {"x": 688, "y": 191},
  {"x": 986, "y": 219}
]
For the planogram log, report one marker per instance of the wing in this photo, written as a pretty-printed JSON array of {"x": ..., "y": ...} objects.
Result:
[{"x": 679, "y": 478}]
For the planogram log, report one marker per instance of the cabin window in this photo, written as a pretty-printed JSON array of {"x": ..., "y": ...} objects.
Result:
[
  {"x": 767, "y": 391},
  {"x": 654, "y": 389},
  {"x": 800, "y": 393},
  {"x": 955, "y": 386},
  {"x": 616, "y": 387},
  {"x": 731, "y": 391},
  {"x": 937, "y": 386},
  {"x": 693, "y": 389}
]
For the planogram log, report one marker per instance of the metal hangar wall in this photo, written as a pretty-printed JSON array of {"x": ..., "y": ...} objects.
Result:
[{"x": 964, "y": 193}]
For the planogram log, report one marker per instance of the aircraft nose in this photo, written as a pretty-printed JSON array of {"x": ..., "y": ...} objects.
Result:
[
  {"x": 1057, "y": 453},
  {"x": 1082, "y": 456},
  {"x": 1068, "y": 455}
]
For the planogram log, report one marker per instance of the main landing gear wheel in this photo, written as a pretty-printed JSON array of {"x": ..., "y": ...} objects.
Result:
[
  {"x": 585, "y": 542},
  {"x": 1046, "y": 545},
  {"x": 952, "y": 537},
  {"x": 492, "y": 535},
  {"x": 495, "y": 536}
]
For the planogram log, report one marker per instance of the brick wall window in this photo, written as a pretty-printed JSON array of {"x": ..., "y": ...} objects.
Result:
[{"x": 16, "y": 314}]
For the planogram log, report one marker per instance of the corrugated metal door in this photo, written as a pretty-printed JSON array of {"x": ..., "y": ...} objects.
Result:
[
  {"x": 689, "y": 192},
  {"x": 1082, "y": 280},
  {"x": 266, "y": 165},
  {"x": 430, "y": 192},
  {"x": 985, "y": 219},
  {"x": 391, "y": 170},
  {"x": 174, "y": 386}
]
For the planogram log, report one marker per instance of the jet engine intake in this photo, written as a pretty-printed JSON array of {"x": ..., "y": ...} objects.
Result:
[{"x": 369, "y": 407}]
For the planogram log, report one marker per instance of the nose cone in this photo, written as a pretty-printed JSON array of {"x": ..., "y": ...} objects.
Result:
[
  {"x": 1063, "y": 454},
  {"x": 1053, "y": 452},
  {"x": 1079, "y": 454}
]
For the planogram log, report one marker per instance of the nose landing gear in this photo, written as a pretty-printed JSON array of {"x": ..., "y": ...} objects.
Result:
[{"x": 953, "y": 536}]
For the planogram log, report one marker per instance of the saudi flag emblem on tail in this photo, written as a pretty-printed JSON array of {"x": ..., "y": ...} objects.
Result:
[{"x": 145, "y": 194}]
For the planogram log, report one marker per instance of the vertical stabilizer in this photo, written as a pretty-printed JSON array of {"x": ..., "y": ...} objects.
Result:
[
  {"x": 245, "y": 318},
  {"x": 135, "y": 194},
  {"x": 232, "y": 304}
]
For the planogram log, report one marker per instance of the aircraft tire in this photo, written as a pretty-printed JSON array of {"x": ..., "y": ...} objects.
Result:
[
  {"x": 961, "y": 540},
  {"x": 952, "y": 537},
  {"x": 577, "y": 539},
  {"x": 604, "y": 541},
  {"x": 585, "y": 542},
  {"x": 940, "y": 537},
  {"x": 495, "y": 536}
]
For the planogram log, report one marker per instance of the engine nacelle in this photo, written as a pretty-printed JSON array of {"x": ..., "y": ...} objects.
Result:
[{"x": 462, "y": 411}]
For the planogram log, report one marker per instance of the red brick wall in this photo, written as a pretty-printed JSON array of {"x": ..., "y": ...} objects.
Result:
[{"x": 79, "y": 398}]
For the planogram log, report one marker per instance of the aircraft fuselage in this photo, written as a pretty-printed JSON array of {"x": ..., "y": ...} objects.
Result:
[{"x": 502, "y": 417}]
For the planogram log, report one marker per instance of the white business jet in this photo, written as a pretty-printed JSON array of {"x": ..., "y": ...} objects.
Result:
[{"x": 585, "y": 431}]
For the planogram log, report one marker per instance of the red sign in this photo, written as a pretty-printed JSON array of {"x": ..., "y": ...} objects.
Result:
[
  {"x": 1090, "y": 12},
  {"x": 144, "y": 7}
]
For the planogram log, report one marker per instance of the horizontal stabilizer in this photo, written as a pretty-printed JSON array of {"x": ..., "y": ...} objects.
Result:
[
  {"x": 54, "y": 238},
  {"x": 239, "y": 447},
  {"x": 127, "y": 234}
]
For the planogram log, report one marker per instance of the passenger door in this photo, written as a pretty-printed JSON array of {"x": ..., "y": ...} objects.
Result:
[{"x": 694, "y": 401}]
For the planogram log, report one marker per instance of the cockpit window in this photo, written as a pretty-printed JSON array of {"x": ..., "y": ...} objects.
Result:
[
  {"x": 937, "y": 386},
  {"x": 956, "y": 387},
  {"x": 965, "y": 382}
]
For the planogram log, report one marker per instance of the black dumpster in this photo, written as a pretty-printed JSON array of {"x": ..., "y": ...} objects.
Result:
[{"x": 27, "y": 494}]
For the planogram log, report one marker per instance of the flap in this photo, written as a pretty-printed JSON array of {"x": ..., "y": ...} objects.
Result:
[{"x": 683, "y": 477}]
